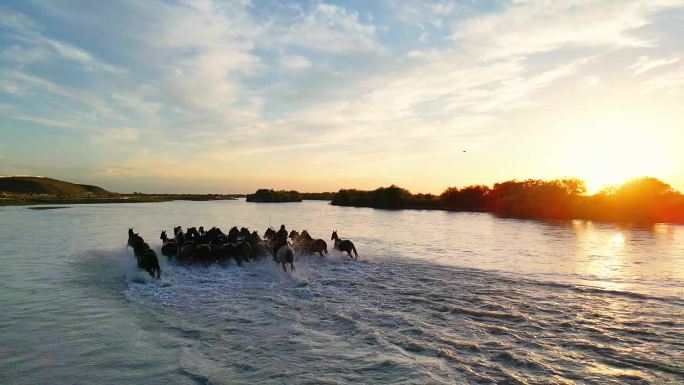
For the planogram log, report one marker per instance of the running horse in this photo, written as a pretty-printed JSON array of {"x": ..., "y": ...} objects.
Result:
[
  {"x": 147, "y": 258},
  {"x": 270, "y": 238},
  {"x": 299, "y": 244},
  {"x": 285, "y": 255},
  {"x": 344, "y": 245},
  {"x": 315, "y": 245},
  {"x": 169, "y": 247}
]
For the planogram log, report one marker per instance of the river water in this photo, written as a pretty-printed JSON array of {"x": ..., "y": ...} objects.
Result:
[{"x": 436, "y": 297}]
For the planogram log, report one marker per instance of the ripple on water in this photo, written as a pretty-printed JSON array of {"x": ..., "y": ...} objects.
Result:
[
  {"x": 252, "y": 323},
  {"x": 437, "y": 298}
]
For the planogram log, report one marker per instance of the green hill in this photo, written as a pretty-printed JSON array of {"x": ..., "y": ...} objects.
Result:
[{"x": 41, "y": 185}]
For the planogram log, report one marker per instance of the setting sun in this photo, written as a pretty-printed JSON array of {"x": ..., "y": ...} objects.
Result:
[{"x": 610, "y": 147}]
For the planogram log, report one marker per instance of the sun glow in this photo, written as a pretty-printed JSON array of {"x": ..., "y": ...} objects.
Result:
[{"x": 611, "y": 148}]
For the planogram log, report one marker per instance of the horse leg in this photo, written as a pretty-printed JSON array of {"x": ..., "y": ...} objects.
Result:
[
  {"x": 292, "y": 266},
  {"x": 284, "y": 267}
]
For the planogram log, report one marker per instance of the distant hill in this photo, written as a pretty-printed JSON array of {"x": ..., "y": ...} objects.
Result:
[{"x": 41, "y": 185}]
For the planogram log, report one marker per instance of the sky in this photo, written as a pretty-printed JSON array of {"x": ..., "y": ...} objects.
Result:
[{"x": 231, "y": 96}]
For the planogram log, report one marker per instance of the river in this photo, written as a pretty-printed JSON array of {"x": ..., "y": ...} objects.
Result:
[{"x": 436, "y": 297}]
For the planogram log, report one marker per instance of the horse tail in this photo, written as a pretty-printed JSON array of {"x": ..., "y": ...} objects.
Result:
[{"x": 354, "y": 249}]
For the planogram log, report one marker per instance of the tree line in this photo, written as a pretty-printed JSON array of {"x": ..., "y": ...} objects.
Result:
[{"x": 641, "y": 200}]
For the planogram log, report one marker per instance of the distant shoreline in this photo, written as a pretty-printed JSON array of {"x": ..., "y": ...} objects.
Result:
[
  {"x": 32, "y": 200},
  {"x": 282, "y": 196},
  {"x": 642, "y": 200}
]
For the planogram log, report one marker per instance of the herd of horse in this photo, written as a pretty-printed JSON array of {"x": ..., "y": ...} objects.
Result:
[{"x": 196, "y": 246}]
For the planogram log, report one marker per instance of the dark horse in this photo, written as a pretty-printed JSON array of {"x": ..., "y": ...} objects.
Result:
[
  {"x": 270, "y": 238},
  {"x": 147, "y": 258},
  {"x": 344, "y": 245},
  {"x": 315, "y": 245},
  {"x": 169, "y": 247}
]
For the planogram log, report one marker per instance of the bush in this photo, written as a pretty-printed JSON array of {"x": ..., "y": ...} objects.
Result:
[{"x": 272, "y": 196}]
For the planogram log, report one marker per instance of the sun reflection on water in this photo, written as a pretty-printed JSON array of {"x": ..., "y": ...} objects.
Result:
[
  {"x": 618, "y": 240},
  {"x": 604, "y": 255}
]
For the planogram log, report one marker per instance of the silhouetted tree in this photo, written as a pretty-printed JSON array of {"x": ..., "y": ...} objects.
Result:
[
  {"x": 471, "y": 198},
  {"x": 269, "y": 195},
  {"x": 645, "y": 200}
]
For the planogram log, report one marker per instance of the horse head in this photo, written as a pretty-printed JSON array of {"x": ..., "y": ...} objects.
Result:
[
  {"x": 293, "y": 234},
  {"x": 334, "y": 235},
  {"x": 244, "y": 232}
]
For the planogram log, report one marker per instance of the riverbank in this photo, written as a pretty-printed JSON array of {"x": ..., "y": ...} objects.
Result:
[
  {"x": 642, "y": 200},
  {"x": 46, "y": 199}
]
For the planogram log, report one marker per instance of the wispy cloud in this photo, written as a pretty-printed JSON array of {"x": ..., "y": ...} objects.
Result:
[
  {"x": 33, "y": 45},
  {"x": 330, "y": 28},
  {"x": 646, "y": 63},
  {"x": 529, "y": 27},
  {"x": 671, "y": 82},
  {"x": 295, "y": 62},
  {"x": 116, "y": 135},
  {"x": 193, "y": 87}
]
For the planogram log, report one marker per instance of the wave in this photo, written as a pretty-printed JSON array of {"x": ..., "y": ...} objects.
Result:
[
  {"x": 424, "y": 321},
  {"x": 482, "y": 313}
]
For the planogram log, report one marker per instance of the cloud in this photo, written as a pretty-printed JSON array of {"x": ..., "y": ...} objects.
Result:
[
  {"x": 529, "y": 27},
  {"x": 218, "y": 89},
  {"x": 72, "y": 53},
  {"x": 671, "y": 82},
  {"x": 35, "y": 46},
  {"x": 646, "y": 63},
  {"x": 589, "y": 81},
  {"x": 204, "y": 48},
  {"x": 294, "y": 62},
  {"x": 46, "y": 122},
  {"x": 116, "y": 135},
  {"x": 424, "y": 13},
  {"x": 330, "y": 28},
  {"x": 20, "y": 83}
]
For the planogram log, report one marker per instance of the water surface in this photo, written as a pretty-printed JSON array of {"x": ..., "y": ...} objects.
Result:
[{"x": 437, "y": 297}]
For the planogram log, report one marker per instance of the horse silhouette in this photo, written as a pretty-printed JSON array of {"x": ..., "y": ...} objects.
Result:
[{"x": 344, "y": 245}]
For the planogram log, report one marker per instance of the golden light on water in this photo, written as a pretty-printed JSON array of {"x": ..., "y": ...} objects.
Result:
[
  {"x": 617, "y": 240},
  {"x": 602, "y": 254}
]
